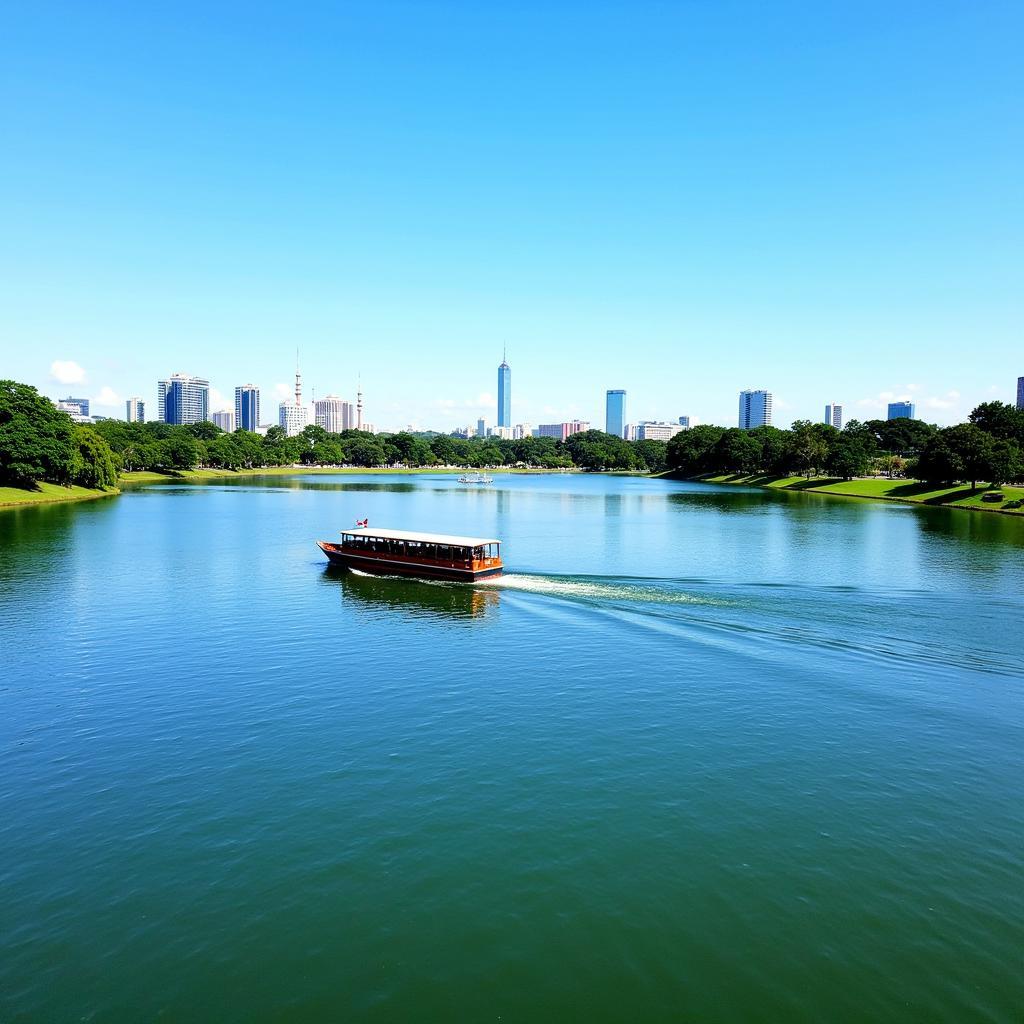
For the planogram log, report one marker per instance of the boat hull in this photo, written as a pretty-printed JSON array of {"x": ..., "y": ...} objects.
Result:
[{"x": 382, "y": 565}]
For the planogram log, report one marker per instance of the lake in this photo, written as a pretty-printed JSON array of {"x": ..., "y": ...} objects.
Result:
[{"x": 706, "y": 753}]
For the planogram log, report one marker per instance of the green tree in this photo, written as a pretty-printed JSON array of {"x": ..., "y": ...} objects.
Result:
[
  {"x": 1005, "y": 463},
  {"x": 1000, "y": 420},
  {"x": 36, "y": 439},
  {"x": 94, "y": 461}
]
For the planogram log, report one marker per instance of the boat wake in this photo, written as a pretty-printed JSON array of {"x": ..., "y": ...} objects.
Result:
[{"x": 594, "y": 589}]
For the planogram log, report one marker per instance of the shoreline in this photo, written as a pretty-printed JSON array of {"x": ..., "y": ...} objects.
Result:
[
  {"x": 901, "y": 491},
  {"x": 50, "y": 494}
]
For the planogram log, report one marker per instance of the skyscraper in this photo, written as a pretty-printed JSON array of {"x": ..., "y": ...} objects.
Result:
[
  {"x": 615, "y": 412},
  {"x": 247, "y": 407},
  {"x": 755, "y": 409},
  {"x": 481, "y": 427},
  {"x": 182, "y": 399},
  {"x": 1020, "y": 392},
  {"x": 901, "y": 411},
  {"x": 834, "y": 415},
  {"x": 330, "y": 413},
  {"x": 504, "y": 394},
  {"x": 135, "y": 410}
]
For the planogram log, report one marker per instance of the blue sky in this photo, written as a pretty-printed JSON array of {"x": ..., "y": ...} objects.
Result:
[{"x": 681, "y": 199}]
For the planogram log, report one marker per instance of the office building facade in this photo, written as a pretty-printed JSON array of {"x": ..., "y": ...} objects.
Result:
[
  {"x": 135, "y": 410},
  {"x": 901, "y": 411},
  {"x": 225, "y": 419},
  {"x": 755, "y": 409},
  {"x": 615, "y": 412},
  {"x": 1020, "y": 392},
  {"x": 247, "y": 407},
  {"x": 481, "y": 428},
  {"x": 329, "y": 413},
  {"x": 834, "y": 415},
  {"x": 684, "y": 422},
  {"x": 292, "y": 418},
  {"x": 182, "y": 399},
  {"x": 504, "y": 395}
]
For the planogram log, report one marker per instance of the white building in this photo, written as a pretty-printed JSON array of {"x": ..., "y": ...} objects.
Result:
[
  {"x": 330, "y": 413},
  {"x": 292, "y": 418},
  {"x": 654, "y": 430},
  {"x": 505, "y": 433},
  {"x": 135, "y": 410},
  {"x": 755, "y": 409},
  {"x": 521, "y": 430},
  {"x": 225, "y": 419}
]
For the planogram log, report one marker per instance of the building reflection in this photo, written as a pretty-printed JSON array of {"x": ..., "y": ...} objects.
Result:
[{"x": 416, "y": 598}]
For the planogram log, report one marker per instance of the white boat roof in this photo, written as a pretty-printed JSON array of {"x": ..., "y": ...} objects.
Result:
[{"x": 423, "y": 538}]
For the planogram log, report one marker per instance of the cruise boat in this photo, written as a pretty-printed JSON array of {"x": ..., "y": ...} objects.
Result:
[
  {"x": 475, "y": 478},
  {"x": 424, "y": 555}
]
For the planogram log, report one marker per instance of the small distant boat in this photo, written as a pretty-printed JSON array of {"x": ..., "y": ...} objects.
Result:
[
  {"x": 475, "y": 478},
  {"x": 423, "y": 555}
]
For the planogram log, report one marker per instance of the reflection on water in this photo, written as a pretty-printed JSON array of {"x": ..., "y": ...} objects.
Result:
[{"x": 419, "y": 598}]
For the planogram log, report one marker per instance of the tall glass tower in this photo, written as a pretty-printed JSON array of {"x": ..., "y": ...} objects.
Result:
[
  {"x": 615, "y": 413},
  {"x": 755, "y": 409},
  {"x": 504, "y": 394},
  {"x": 247, "y": 407}
]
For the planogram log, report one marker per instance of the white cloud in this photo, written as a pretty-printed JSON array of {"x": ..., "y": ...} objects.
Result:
[
  {"x": 950, "y": 400},
  {"x": 284, "y": 391},
  {"x": 218, "y": 402},
  {"x": 108, "y": 396},
  {"x": 66, "y": 371}
]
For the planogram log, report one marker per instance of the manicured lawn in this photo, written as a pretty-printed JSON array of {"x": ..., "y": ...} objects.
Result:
[
  {"x": 47, "y": 494},
  {"x": 913, "y": 491}
]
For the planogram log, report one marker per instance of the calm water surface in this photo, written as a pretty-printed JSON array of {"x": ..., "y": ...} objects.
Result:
[{"x": 706, "y": 754}]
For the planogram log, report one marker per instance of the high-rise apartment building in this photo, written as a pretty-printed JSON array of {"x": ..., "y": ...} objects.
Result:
[
  {"x": 755, "y": 409},
  {"x": 1020, "y": 392},
  {"x": 348, "y": 416},
  {"x": 330, "y": 413},
  {"x": 247, "y": 407},
  {"x": 521, "y": 430},
  {"x": 834, "y": 415},
  {"x": 615, "y": 412},
  {"x": 135, "y": 410},
  {"x": 225, "y": 419},
  {"x": 182, "y": 399},
  {"x": 504, "y": 394},
  {"x": 901, "y": 411}
]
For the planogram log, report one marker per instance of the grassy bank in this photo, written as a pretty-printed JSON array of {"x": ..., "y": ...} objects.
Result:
[
  {"x": 910, "y": 491},
  {"x": 48, "y": 494}
]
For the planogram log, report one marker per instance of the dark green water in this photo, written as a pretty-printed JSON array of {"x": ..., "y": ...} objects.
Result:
[{"x": 707, "y": 754}]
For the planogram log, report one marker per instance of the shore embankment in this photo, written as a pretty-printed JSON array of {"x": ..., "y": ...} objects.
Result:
[
  {"x": 912, "y": 492},
  {"x": 49, "y": 494}
]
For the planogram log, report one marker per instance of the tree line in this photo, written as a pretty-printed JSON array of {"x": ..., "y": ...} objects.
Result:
[
  {"x": 40, "y": 442},
  {"x": 987, "y": 448}
]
